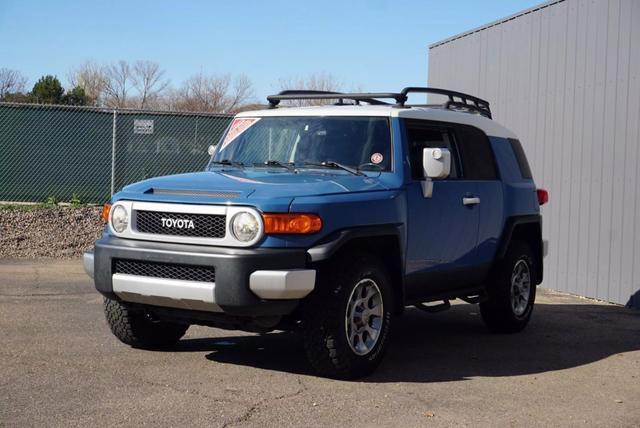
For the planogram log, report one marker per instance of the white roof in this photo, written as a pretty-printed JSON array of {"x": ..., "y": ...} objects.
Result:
[{"x": 489, "y": 126}]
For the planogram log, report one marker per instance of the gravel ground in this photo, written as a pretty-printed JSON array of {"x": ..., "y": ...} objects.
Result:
[{"x": 48, "y": 232}]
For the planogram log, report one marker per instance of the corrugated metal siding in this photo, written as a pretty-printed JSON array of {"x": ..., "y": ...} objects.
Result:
[{"x": 566, "y": 79}]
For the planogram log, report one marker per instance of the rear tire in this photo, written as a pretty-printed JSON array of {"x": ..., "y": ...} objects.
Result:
[
  {"x": 513, "y": 292},
  {"x": 135, "y": 327},
  {"x": 347, "y": 319}
]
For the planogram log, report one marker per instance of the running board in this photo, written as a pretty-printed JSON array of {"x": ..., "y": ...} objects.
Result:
[
  {"x": 434, "y": 308},
  {"x": 472, "y": 299},
  {"x": 482, "y": 297}
]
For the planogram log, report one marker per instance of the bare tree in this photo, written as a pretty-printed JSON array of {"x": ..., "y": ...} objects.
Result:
[
  {"x": 314, "y": 82},
  {"x": 240, "y": 94},
  {"x": 213, "y": 93},
  {"x": 11, "y": 82},
  {"x": 117, "y": 84},
  {"x": 149, "y": 80},
  {"x": 90, "y": 77}
]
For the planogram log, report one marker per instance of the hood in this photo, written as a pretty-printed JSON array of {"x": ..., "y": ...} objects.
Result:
[{"x": 240, "y": 185}]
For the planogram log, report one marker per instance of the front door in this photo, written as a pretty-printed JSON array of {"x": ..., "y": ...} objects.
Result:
[{"x": 443, "y": 228}]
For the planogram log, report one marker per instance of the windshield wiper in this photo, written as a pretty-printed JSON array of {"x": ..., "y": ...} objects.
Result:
[
  {"x": 289, "y": 166},
  {"x": 331, "y": 164},
  {"x": 227, "y": 162}
]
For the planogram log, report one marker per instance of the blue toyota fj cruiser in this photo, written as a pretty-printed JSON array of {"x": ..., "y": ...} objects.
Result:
[{"x": 329, "y": 220}]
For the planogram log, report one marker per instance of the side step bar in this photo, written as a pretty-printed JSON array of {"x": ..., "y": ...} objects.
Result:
[
  {"x": 446, "y": 304},
  {"x": 434, "y": 308}
]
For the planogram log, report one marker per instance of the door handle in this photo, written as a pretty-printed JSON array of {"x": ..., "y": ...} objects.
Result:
[{"x": 470, "y": 201}]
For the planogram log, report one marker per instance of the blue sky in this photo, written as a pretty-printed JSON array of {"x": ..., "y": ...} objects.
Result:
[{"x": 375, "y": 45}]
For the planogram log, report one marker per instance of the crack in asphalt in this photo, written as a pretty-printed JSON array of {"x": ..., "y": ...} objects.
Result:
[
  {"x": 191, "y": 392},
  {"x": 253, "y": 409}
]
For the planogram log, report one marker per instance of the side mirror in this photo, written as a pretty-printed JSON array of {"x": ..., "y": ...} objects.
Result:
[
  {"x": 211, "y": 150},
  {"x": 436, "y": 162}
]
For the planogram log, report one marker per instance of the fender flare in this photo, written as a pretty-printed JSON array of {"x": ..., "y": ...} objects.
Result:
[
  {"x": 507, "y": 234},
  {"x": 332, "y": 243}
]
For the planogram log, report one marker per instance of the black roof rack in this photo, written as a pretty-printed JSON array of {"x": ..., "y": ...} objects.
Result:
[
  {"x": 457, "y": 100},
  {"x": 295, "y": 94},
  {"x": 463, "y": 101}
]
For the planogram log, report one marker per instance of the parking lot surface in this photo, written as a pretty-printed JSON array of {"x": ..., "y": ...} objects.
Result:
[{"x": 577, "y": 364}]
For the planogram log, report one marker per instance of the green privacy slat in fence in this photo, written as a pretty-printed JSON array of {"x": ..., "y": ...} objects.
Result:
[
  {"x": 60, "y": 151},
  {"x": 176, "y": 145}
]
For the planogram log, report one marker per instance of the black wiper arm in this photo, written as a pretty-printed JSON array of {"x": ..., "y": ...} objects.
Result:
[
  {"x": 331, "y": 164},
  {"x": 227, "y": 162},
  {"x": 289, "y": 166}
]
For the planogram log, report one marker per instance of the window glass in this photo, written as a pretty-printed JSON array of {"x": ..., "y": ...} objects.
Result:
[
  {"x": 421, "y": 136},
  {"x": 476, "y": 154},
  {"x": 525, "y": 170},
  {"x": 358, "y": 142}
]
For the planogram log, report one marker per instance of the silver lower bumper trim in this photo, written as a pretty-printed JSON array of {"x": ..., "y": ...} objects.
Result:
[
  {"x": 87, "y": 263},
  {"x": 174, "y": 293},
  {"x": 282, "y": 284}
]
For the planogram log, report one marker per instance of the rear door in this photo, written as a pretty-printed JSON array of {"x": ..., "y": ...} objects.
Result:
[
  {"x": 443, "y": 228},
  {"x": 479, "y": 165}
]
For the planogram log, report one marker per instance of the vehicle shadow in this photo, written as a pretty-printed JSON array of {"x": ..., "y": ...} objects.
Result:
[
  {"x": 455, "y": 345},
  {"x": 634, "y": 300}
]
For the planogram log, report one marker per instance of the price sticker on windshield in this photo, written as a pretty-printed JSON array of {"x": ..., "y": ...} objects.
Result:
[{"x": 238, "y": 126}]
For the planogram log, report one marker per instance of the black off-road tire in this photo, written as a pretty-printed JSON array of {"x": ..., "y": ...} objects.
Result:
[
  {"x": 497, "y": 312},
  {"x": 324, "y": 318},
  {"x": 136, "y": 328}
]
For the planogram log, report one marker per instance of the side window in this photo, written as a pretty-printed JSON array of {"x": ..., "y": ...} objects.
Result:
[
  {"x": 476, "y": 154},
  {"x": 525, "y": 170},
  {"x": 420, "y": 136}
]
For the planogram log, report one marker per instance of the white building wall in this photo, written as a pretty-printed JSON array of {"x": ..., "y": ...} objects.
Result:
[{"x": 565, "y": 77}]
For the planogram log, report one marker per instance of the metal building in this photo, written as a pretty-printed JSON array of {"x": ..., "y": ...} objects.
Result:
[{"x": 565, "y": 77}]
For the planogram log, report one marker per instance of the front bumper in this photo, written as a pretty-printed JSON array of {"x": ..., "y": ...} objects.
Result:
[{"x": 248, "y": 282}]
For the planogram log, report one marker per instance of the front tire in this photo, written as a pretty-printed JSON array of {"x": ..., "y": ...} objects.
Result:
[
  {"x": 512, "y": 293},
  {"x": 347, "y": 320},
  {"x": 135, "y": 327}
]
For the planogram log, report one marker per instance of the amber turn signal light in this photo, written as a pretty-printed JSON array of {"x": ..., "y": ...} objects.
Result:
[
  {"x": 105, "y": 212},
  {"x": 291, "y": 223}
]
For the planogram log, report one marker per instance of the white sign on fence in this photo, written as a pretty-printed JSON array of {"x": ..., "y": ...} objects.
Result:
[{"x": 141, "y": 126}]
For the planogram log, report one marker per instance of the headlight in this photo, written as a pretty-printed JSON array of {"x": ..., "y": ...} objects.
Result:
[
  {"x": 245, "y": 226},
  {"x": 119, "y": 218}
]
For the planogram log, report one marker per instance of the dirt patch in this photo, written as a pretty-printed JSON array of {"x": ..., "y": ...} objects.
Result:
[{"x": 54, "y": 232}]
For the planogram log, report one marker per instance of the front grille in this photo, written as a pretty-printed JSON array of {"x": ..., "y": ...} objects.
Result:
[
  {"x": 165, "y": 270},
  {"x": 181, "y": 224}
]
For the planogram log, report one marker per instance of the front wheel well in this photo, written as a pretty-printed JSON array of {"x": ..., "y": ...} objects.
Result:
[{"x": 385, "y": 248}]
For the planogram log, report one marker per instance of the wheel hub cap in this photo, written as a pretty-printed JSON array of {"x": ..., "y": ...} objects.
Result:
[
  {"x": 520, "y": 287},
  {"x": 363, "y": 321}
]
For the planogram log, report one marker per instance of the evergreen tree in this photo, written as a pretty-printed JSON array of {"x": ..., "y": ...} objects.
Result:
[
  {"x": 76, "y": 97},
  {"x": 48, "y": 90}
]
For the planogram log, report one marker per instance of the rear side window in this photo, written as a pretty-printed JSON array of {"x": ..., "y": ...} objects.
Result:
[
  {"x": 477, "y": 158},
  {"x": 525, "y": 170}
]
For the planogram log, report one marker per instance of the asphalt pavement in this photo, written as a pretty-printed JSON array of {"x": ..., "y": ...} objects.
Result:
[{"x": 577, "y": 364}]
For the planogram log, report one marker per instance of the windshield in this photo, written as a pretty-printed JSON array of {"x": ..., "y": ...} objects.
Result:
[{"x": 358, "y": 142}]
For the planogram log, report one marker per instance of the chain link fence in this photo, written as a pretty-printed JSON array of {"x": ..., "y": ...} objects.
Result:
[{"x": 66, "y": 152}]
